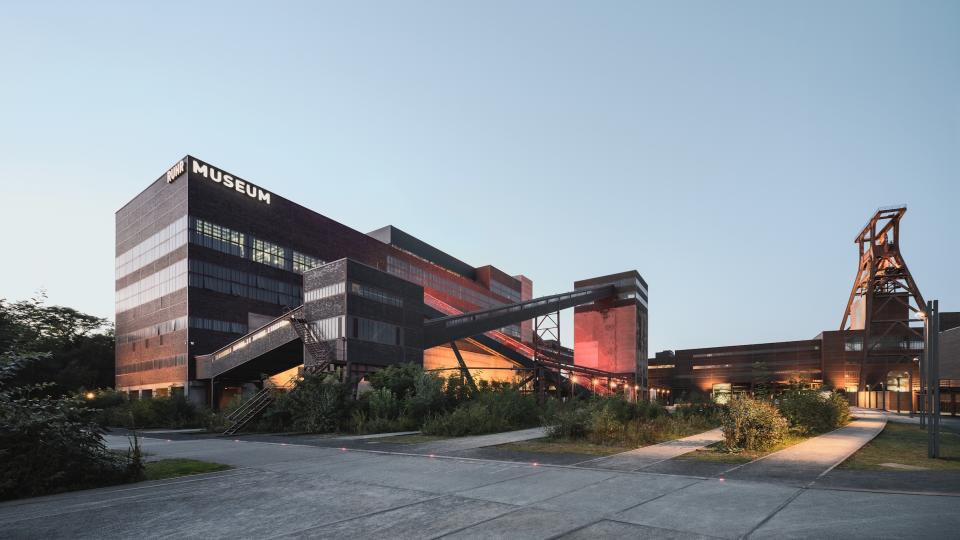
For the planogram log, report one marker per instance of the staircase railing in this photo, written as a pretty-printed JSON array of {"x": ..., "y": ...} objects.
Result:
[
  {"x": 318, "y": 348},
  {"x": 249, "y": 410}
]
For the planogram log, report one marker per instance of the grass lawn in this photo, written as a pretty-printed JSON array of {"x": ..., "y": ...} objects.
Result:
[
  {"x": 906, "y": 444},
  {"x": 717, "y": 454},
  {"x": 172, "y": 468},
  {"x": 550, "y": 446},
  {"x": 415, "y": 438},
  {"x": 674, "y": 430}
]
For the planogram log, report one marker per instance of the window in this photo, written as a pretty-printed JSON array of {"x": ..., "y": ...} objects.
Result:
[
  {"x": 375, "y": 294},
  {"x": 152, "y": 287},
  {"x": 217, "y": 237},
  {"x": 230, "y": 281},
  {"x": 302, "y": 263},
  {"x": 166, "y": 240},
  {"x": 269, "y": 253},
  {"x": 324, "y": 292},
  {"x": 157, "y": 363},
  {"x": 218, "y": 326},
  {"x": 377, "y": 331},
  {"x": 328, "y": 329},
  {"x": 153, "y": 331}
]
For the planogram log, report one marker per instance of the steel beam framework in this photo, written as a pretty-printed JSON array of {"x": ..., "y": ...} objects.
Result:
[{"x": 883, "y": 283}]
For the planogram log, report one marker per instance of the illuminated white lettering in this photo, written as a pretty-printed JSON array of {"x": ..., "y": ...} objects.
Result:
[
  {"x": 175, "y": 171},
  {"x": 224, "y": 179}
]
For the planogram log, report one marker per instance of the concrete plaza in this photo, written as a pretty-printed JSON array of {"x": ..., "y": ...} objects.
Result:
[{"x": 292, "y": 490}]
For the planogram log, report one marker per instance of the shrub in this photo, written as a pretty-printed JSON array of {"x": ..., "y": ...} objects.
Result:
[
  {"x": 811, "y": 411},
  {"x": 318, "y": 403},
  {"x": 570, "y": 422},
  {"x": 50, "y": 444},
  {"x": 383, "y": 404},
  {"x": 751, "y": 424},
  {"x": 427, "y": 398},
  {"x": 604, "y": 426},
  {"x": 708, "y": 411},
  {"x": 468, "y": 419},
  {"x": 489, "y": 411},
  {"x": 400, "y": 379}
]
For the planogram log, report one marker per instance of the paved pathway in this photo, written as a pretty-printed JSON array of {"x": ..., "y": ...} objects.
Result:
[
  {"x": 446, "y": 446},
  {"x": 285, "y": 490},
  {"x": 803, "y": 463},
  {"x": 641, "y": 458}
]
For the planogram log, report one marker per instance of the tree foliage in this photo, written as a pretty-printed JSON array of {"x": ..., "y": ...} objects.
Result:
[
  {"x": 50, "y": 443},
  {"x": 80, "y": 347}
]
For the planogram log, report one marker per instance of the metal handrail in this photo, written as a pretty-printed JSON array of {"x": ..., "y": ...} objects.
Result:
[{"x": 251, "y": 333}]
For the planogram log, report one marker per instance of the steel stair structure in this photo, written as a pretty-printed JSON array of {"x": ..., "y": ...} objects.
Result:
[
  {"x": 321, "y": 351},
  {"x": 249, "y": 410}
]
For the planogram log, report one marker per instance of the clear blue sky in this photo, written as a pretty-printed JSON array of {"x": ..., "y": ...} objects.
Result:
[{"x": 729, "y": 151}]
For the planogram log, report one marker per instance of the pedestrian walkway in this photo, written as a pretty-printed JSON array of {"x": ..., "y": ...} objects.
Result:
[
  {"x": 801, "y": 464},
  {"x": 641, "y": 458},
  {"x": 447, "y": 446}
]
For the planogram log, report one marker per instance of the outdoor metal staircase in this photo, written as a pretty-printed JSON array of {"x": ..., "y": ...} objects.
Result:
[
  {"x": 249, "y": 410},
  {"x": 321, "y": 352}
]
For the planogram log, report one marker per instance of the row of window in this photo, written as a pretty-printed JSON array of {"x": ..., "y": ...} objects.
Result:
[
  {"x": 884, "y": 343},
  {"x": 153, "y": 331},
  {"x": 328, "y": 329},
  {"x": 499, "y": 288},
  {"x": 324, "y": 292},
  {"x": 214, "y": 325},
  {"x": 217, "y": 237},
  {"x": 375, "y": 294},
  {"x": 157, "y": 245},
  {"x": 161, "y": 283},
  {"x": 376, "y": 331},
  {"x": 358, "y": 328},
  {"x": 156, "y": 363},
  {"x": 424, "y": 278},
  {"x": 238, "y": 283},
  {"x": 225, "y": 240},
  {"x": 180, "y": 323}
]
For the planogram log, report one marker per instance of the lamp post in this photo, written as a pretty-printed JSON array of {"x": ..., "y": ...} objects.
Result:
[{"x": 869, "y": 401}]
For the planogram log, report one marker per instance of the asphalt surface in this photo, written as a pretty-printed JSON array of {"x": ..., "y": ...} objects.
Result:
[{"x": 279, "y": 489}]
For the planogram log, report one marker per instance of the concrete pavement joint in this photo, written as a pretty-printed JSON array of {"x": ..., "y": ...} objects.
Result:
[
  {"x": 368, "y": 514},
  {"x": 776, "y": 511},
  {"x": 482, "y": 521}
]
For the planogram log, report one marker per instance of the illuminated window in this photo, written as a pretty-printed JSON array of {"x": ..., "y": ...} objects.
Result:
[
  {"x": 375, "y": 294},
  {"x": 302, "y": 263},
  {"x": 269, "y": 253},
  {"x": 324, "y": 292},
  {"x": 217, "y": 237}
]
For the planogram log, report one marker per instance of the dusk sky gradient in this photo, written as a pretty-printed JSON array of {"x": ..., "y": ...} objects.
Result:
[{"x": 729, "y": 151}]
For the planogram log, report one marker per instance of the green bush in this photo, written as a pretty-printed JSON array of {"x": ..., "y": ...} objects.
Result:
[
  {"x": 489, "y": 411},
  {"x": 50, "y": 444},
  {"x": 468, "y": 419},
  {"x": 751, "y": 424},
  {"x": 427, "y": 398},
  {"x": 571, "y": 422},
  {"x": 318, "y": 403},
  {"x": 400, "y": 379},
  {"x": 706, "y": 410},
  {"x": 174, "y": 411},
  {"x": 811, "y": 411}
]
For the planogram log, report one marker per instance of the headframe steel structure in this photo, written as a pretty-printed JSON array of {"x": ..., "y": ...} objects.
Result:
[{"x": 882, "y": 282}]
